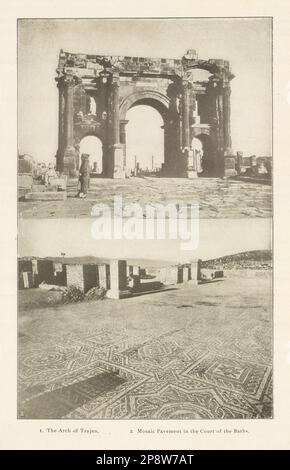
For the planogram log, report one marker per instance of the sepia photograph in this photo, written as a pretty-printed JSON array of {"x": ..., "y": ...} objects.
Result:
[
  {"x": 145, "y": 219},
  {"x": 128, "y": 107}
]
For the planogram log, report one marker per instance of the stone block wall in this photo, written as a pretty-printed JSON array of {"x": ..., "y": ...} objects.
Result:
[
  {"x": 45, "y": 271},
  {"x": 169, "y": 275},
  {"x": 88, "y": 275},
  {"x": 103, "y": 276},
  {"x": 75, "y": 275},
  {"x": 195, "y": 267},
  {"x": 25, "y": 274},
  {"x": 186, "y": 274}
]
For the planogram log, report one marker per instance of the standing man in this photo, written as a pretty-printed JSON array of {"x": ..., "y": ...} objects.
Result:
[{"x": 84, "y": 176}]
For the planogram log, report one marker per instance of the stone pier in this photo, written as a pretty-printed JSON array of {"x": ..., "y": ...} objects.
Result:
[
  {"x": 195, "y": 271},
  {"x": 118, "y": 280},
  {"x": 104, "y": 276}
]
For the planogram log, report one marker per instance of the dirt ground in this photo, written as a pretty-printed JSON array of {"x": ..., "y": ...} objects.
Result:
[
  {"x": 188, "y": 353},
  {"x": 216, "y": 197}
]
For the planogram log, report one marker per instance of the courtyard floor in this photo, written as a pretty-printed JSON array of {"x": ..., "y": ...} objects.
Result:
[
  {"x": 216, "y": 197},
  {"x": 188, "y": 353}
]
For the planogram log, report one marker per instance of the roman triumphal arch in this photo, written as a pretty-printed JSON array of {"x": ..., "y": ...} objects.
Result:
[{"x": 96, "y": 92}]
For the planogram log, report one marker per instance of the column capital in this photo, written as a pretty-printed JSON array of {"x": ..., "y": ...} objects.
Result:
[
  {"x": 67, "y": 81},
  {"x": 59, "y": 83},
  {"x": 226, "y": 87},
  {"x": 185, "y": 82},
  {"x": 115, "y": 79}
]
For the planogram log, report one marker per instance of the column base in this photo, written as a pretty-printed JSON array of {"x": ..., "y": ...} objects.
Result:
[
  {"x": 174, "y": 168},
  {"x": 195, "y": 267},
  {"x": 190, "y": 164},
  {"x": 230, "y": 167},
  {"x": 69, "y": 162},
  {"x": 119, "y": 174},
  {"x": 229, "y": 173},
  {"x": 118, "y": 280},
  {"x": 229, "y": 163},
  {"x": 118, "y": 294},
  {"x": 118, "y": 159},
  {"x": 191, "y": 174}
]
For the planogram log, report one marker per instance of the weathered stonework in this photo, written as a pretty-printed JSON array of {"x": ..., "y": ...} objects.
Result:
[
  {"x": 113, "y": 276},
  {"x": 75, "y": 276},
  {"x": 95, "y": 93}
]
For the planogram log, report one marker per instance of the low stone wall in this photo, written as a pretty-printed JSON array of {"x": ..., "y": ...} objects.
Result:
[
  {"x": 112, "y": 276},
  {"x": 32, "y": 272},
  {"x": 86, "y": 276},
  {"x": 168, "y": 275},
  {"x": 75, "y": 276}
]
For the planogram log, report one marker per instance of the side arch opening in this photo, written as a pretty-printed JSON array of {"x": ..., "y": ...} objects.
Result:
[
  {"x": 203, "y": 148},
  {"x": 93, "y": 146}
]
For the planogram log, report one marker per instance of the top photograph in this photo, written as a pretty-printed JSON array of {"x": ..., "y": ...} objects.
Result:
[{"x": 145, "y": 112}]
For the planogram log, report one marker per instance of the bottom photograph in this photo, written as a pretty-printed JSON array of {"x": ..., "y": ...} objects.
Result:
[{"x": 114, "y": 329}]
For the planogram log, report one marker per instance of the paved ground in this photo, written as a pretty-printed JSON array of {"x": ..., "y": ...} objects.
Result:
[
  {"x": 188, "y": 353},
  {"x": 216, "y": 197}
]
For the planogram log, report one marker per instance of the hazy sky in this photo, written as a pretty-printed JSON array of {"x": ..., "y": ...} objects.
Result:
[
  {"x": 246, "y": 43},
  {"x": 142, "y": 140},
  {"x": 51, "y": 237}
]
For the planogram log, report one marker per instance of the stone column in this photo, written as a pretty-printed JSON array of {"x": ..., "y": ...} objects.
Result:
[
  {"x": 220, "y": 115},
  {"x": 239, "y": 162},
  {"x": 195, "y": 267},
  {"x": 69, "y": 160},
  {"x": 185, "y": 115},
  {"x": 61, "y": 108},
  {"x": 118, "y": 280},
  {"x": 117, "y": 151},
  {"x": 190, "y": 161},
  {"x": 115, "y": 110},
  {"x": 253, "y": 160},
  {"x": 103, "y": 276},
  {"x": 185, "y": 274},
  {"x": 227, "y": 116},
  {"x": 123, "y": 140},
  {"x": 215, "y": 97},
  {"x": 172, "y": 166},
  {"x": 225, "y": 128},
  {"x": 69, "y": 93},
  {"x": 254, "y": 166}
]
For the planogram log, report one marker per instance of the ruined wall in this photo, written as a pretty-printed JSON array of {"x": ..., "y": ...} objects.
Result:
[
  {"x": 87, "y": 276},
  {"x": 75, "y": 275}
]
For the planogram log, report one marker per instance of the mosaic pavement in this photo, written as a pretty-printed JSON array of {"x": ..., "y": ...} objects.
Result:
[
  {"x": 216, "y": 197},
  {"x": 189, "y": 353}
]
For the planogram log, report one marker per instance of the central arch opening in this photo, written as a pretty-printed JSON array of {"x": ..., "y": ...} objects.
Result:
[
  {"x": 144, "y": 139},
  {"x": 93, "y": 146}
]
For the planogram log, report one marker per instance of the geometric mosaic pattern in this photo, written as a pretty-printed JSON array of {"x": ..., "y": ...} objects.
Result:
[{"x": 157, "y": 361}]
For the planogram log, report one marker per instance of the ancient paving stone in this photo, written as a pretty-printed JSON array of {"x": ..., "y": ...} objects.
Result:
[{"x": 216, "y": 197}]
